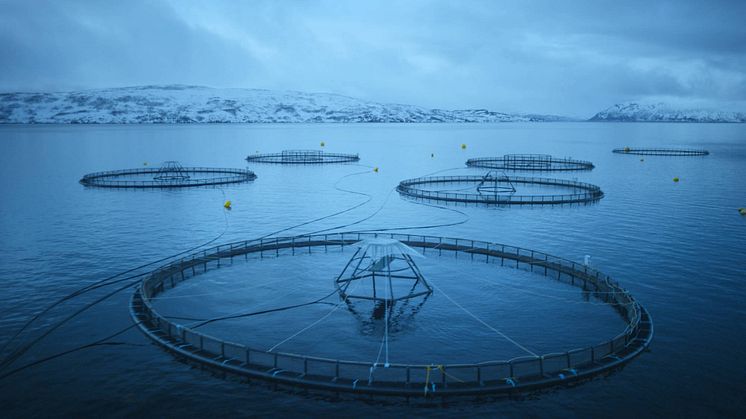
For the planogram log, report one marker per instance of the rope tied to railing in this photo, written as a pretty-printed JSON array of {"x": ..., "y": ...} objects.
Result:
[
  {"x": 443, "y": 370},
  {"x": 427, "y": 378}
]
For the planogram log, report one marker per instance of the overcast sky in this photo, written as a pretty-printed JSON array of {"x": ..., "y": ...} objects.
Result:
[{"x": 569, "y": 58}]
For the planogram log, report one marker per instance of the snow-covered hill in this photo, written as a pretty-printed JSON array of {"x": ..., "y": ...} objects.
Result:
[
  {"x": 633, "y": 112},
  {"x": 194, "y": 104}
]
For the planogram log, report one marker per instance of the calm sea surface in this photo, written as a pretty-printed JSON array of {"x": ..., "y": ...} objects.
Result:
[{"x": 679, "y": 248}]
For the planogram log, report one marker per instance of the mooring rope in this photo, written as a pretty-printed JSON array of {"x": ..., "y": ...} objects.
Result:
[
  {"x": 427, "y": 378},
  {"x": 380, "y": 208},
  {"x": 312, "y": 324},
  {"x": 506, "y": 337},
  {"x": 23, "y": 349},
  {"x": 385, "y": 338},
  {"x": 368, "y": 196},
  {"x": 565, "y": 300},
  {"x": 254, "y": 313},
  {"x": 448, "y": 170},
  {"x": 108, "y": 281},
  {"x": 420, "y": 227},
  {"x": 368, "y": 217},
  {"x": 386, "y": 324},
  {"x": 442, "y": 370},
  {"x": 100, "y": 342}
]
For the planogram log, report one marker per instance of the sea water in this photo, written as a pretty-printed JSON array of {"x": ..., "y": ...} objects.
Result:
[{"x": 678, "y": 247}]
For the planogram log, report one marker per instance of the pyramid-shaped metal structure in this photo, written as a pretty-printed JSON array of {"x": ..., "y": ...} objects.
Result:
[
  {"x": 171, "y": 171},
  {"x": 387, "y": 266},
  {"x": 493, "y": 183}
]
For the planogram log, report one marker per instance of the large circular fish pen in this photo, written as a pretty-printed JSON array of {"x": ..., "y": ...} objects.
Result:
[
  {"x": 530, "y": 162},
  {"x": 495, "y": 189},
  {"x": 358, "y": 271},
  {"x": 303, "y": 157},
  {"x": 170, "y": 175},
  {"x": 683, "y": 152}
]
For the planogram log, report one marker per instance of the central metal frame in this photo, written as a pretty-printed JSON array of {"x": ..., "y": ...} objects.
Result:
[
  {"x": 171, "y": 171},
  {"x": 491, "y": 185},
  {"x": 366, "y": 267}
]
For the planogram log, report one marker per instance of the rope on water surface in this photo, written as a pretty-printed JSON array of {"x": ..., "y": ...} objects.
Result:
[
  {"x": 99, "y": 284},
  {"x": 312, "y": 324},
  {"x": 384, "y": 339},
  {"x": 388, "y": 196},
  {"x": 108, "y": 281},
  {"x": 506, "y": 337},
  {"x": 100, "y": 342},
  {"x": 368, "y": 196},
  {"x": 200, "y": 323}
]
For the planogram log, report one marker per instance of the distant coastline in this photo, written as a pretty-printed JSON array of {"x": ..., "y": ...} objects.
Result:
[{"x": 179, "y": 104}]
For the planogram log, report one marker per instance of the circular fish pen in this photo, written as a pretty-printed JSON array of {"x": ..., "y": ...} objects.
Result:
[
  {"x": 530, "y": 162},
  {"x": 389, "y": 256},
  {"x": 494, "y": 189},
  {"x": 684, "y": 152},
  {"x": 170, "y": 175},
  {"x": 303, "y": 157}
]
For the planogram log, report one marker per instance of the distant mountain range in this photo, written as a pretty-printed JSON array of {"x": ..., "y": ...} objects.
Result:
[
  {"x": 194, "y": 104},
  {"x": 660, "y": 112}
]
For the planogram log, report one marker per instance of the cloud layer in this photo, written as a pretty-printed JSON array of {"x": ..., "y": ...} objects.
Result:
[{"x": 540, "y": 56}]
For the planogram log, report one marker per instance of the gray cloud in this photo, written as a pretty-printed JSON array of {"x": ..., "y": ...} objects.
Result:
[{"x": 539, "y": 56}]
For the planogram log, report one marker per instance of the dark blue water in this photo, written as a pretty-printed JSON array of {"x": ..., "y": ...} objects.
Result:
[{"x": 678, "y": 247}]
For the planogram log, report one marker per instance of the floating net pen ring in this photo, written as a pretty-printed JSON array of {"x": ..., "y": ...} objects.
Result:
[
  {"x": 684, "y": 152},
  {"x": 170, "y": 175},
  {"x": 530, "y": 162},
  {"x": 502, "y": 191},
  {"x": 303, "y": 157},
  {"x": 409, "y": 380}
]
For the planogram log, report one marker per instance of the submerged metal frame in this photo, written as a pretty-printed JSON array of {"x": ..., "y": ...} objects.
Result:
[
  {"x": 515, "y": 375},
  {"x": 490, "y": 185},
  {"x": 362, "y": 271},
  {"x": 171, "y": 171}
]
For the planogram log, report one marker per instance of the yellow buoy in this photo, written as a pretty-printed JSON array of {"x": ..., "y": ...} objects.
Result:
[
  {"x": 227, "y": 205},
  {"x": 676, "y": 179},
  {"x": 463, "y": 146},
  {"x": 742, "y": 211},
  {"x": 375, "y": 169},
  {"x": 145, "y": 163},
  {"x": 322, "y": 143}
]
